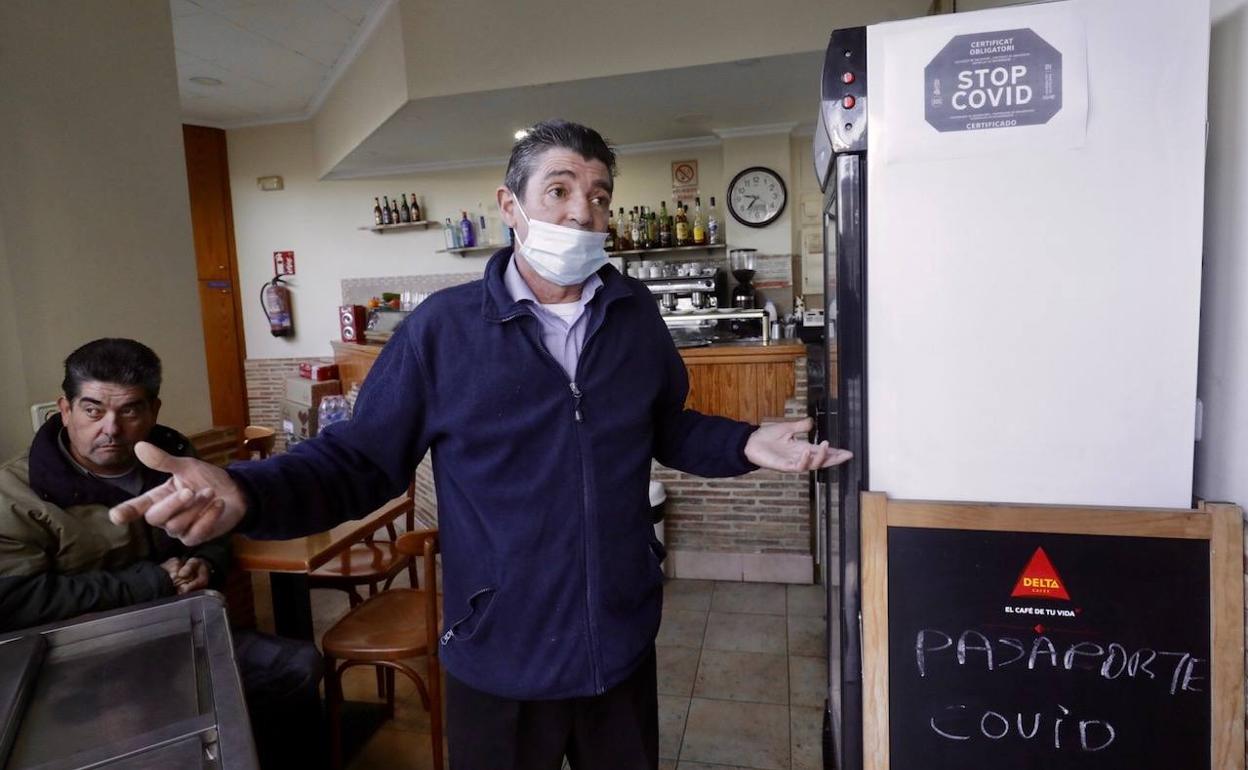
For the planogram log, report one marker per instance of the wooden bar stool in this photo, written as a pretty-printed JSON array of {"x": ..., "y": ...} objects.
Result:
[
  {"x": 258, "y": 439},
  {"x": 371, "y": 562},
  {"x": 384, "y": 630}
]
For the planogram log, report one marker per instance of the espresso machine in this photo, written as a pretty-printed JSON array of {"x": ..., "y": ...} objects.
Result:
[{"x": 703, "y": 288}]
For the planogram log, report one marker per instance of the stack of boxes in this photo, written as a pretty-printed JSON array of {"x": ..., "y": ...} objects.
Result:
[{"x": 299, "y": 408}]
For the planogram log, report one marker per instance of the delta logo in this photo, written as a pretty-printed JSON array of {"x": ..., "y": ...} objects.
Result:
[{"x": 1039, "y": 580}]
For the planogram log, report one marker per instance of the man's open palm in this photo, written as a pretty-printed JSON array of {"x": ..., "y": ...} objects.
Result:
[
  {"x": 200, "y": 502},
  {"x": 777, "y": 448}
]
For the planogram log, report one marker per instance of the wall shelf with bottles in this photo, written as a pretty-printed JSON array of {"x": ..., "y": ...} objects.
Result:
[
  {"x": 463, "y": 252},
  {"x": 668, "y": 250},
  {"x": 421, "y": 225}
]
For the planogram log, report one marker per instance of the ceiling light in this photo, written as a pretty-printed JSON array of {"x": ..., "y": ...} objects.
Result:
[
  {"x": 522, "y": 133},
  {"x": 204, "y": 80}
]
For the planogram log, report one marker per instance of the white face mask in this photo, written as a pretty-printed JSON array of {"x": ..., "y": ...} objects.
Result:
[{"x": 562, "y": 255}]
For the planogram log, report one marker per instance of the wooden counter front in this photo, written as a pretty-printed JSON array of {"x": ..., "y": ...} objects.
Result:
[
  {"x": 744, "y": 382},
  {"x": 354, "y": 361}
]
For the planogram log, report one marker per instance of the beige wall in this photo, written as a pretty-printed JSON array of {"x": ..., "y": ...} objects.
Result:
[
  {"x": 807, "y": 201},
  {"x": 775, "y": 152},
  {"x": 93, "y": 201},
  {"x": 372, "y": 89},
  {"x": 13, "y": 437},
  {"x": 320, "y": 221}
]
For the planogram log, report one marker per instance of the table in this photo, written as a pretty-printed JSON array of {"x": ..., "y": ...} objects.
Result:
[{"x": 290, "y": 562}]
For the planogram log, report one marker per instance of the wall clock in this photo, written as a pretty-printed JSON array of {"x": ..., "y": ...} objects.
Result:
[{"x": 756, "y": 196}]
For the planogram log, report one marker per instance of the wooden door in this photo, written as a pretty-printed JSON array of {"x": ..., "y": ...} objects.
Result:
[{"x": 212, "y": 220}]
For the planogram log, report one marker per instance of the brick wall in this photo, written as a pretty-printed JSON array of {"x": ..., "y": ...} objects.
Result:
[
  {"x": 266, "y": 388},
  {"x": 761, "y": 512}
]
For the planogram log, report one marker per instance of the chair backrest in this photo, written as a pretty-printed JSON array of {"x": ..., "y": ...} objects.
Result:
[{"x": 425, "y": 545}]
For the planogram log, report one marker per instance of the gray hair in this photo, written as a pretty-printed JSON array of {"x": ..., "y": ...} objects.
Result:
[{"x": 551, "y": 134}]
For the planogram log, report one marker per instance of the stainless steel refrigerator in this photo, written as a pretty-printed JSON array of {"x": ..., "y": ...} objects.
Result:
[{"x": 1013, "y": 225}]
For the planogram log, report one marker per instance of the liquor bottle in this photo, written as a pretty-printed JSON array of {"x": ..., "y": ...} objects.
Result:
[
  {"x": 625, "y": 231},
  {"x": 394, "y": 212},
  {"x": 416, "y": 213},
  {"x": 483, "y": 232},
  {"x": 467, "y": 237},
  {"x": 385, "y": 211},
  {"x": 451, "y": 233},
  {"x": 635, "y": 227},
  {"x": 712, "y": 223},
  {"x": 682, "y": 227},
  {"x": 665, "y": 230},
  {"x": 699, "y": 223},
  {"x": 609, "y": 244},
  {"x": 652, "y": 229},
  {"x": 377, "y": 219},
  {"x": 405, "y": 214}
]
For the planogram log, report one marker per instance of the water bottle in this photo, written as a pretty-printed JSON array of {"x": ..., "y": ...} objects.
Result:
[{"x": 332, "y": 409}]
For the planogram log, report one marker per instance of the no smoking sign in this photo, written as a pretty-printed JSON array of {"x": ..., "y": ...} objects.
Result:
[{"x": 684, "y": 179}]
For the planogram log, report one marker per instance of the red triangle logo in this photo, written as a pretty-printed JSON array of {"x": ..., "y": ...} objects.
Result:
[{"x": 1039, "y": 580}]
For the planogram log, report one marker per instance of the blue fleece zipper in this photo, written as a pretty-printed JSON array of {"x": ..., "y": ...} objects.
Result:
[{"x": 591, "y": 631}]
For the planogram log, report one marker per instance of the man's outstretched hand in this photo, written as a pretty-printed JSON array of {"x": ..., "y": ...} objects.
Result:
[
  {"x": 200, "y": 502},
  {"x": 776, "y": 447}
]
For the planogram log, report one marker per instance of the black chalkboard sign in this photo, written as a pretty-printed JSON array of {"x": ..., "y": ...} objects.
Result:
[{"x": 1033, "y": 649}]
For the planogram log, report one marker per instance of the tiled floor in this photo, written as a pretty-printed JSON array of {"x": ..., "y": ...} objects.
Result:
[{"x": 741, "y": 673}]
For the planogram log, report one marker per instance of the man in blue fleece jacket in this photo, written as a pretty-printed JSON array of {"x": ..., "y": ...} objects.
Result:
[{"x": 543, "y": 390}]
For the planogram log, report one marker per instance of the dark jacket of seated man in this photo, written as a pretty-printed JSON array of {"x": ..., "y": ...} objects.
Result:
[{"x": 61, "y": 557}]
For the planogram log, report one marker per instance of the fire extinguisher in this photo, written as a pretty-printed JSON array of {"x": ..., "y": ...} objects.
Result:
[{"x": 275, "y": 301}]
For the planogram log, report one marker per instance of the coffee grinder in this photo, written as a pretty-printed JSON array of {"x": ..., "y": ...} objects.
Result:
[{"x": 741, "y": 261}]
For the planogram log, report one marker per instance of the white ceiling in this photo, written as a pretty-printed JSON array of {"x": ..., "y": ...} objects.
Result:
[
  {"x": 275, "y": 58},
  {"x": 670, "y": 105}
]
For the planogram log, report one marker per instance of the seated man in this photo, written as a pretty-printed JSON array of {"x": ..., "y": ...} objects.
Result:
[{"x": 61, "y": 557}]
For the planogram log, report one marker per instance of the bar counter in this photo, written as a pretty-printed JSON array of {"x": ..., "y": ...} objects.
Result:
[{"x": 744, "y": 380}]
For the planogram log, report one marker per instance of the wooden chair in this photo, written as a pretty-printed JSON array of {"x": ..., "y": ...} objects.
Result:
[
  {"x": 384, "y": 630},
  {"x": 372, "y": 561},
  {"x": 258, "y": 439}
]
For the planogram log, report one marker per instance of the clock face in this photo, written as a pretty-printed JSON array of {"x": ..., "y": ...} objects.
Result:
[{"x": 756, "y": 196}]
